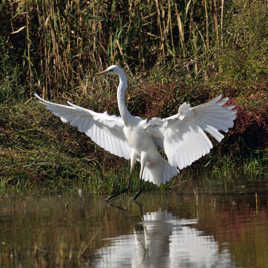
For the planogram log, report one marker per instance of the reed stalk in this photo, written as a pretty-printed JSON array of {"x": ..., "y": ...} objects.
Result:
[
  {"x": 222, "y": 13},
  {"x": 159, "y": 24},
  {"x": 30, "y": 71},
  {"x": 181, "y": 30},
  {"x": 216, "y": 24},
  {"x": 207, "y": 23},
  {"x": 65, "y": 43}
]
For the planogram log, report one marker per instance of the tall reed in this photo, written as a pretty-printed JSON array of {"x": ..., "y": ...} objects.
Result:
[{"x": 65, "y": 40}]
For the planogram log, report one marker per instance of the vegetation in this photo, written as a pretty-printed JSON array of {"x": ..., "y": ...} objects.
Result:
[{"x": 191, "y": 51}]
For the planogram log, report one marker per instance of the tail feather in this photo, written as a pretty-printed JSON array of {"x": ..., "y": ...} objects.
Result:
[{"x": 160, "y": 173}]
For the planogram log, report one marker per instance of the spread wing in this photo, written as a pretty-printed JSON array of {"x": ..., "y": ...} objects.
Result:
[
  {"x": 183, "y": 136},
  {"x": 105, "y": 130}
]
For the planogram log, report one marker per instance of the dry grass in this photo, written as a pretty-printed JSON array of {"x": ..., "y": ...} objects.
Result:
[
  {"x": 173, "y": 52},
  {"x": 66, "y": 41}
]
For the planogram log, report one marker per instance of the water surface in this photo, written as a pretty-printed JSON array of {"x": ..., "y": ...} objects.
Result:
[{"x": 224, "y": 231}]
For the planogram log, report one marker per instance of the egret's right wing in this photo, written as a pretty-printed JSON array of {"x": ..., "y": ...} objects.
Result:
[
  {"x": 183, "y": 135},
  {"x": 105, "y": 130}
]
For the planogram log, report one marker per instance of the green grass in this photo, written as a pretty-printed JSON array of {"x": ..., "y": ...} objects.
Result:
[
  {"x": 172, "y": 53},
  {"x": 38, "y": 151}
]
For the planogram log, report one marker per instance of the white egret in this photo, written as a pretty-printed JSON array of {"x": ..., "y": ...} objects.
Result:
[
  {"x": 182, "y": 137},
  {"x": 161, "y": 239}
]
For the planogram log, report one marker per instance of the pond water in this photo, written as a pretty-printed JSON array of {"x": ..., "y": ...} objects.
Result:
[{"x": 223, "y": 231}]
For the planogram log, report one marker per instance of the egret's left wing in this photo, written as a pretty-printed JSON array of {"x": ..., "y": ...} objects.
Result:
[
  {"x": 105, "y": 130},
  {"x": 183, "y": 136}
]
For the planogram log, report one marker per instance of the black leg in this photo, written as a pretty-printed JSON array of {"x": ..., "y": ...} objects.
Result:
[
  {"x": 117, "y": 207},
  {"x": 137, "y": 194},
  {"x": 109, "y": 198},
  {"x": 140, "y": 206},
  {"x": 140, "y": 190}
]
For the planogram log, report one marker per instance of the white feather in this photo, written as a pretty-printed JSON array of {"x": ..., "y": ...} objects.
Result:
[
  {"x": 97, "y": 126},
  {"x": 182, "y": 136}
]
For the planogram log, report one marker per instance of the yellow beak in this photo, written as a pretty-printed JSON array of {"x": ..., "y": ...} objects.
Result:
[{"x": 103, "y": 72}]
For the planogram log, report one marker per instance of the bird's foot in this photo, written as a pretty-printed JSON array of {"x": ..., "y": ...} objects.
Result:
[{"x": 109, "y": 198}]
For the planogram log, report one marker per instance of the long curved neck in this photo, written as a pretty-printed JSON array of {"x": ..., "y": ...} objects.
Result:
[{"x": 121, "y": 98}]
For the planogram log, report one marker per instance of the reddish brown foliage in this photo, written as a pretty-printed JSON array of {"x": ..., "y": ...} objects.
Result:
[
  {"x": 247, "y": 118},
  {"x": 163, "y": 99}
]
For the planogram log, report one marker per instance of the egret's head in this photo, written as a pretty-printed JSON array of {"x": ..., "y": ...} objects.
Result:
[{"x": 113, "y": 70}]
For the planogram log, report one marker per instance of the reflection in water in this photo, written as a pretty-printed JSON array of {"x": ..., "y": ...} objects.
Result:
[
  {"x": 173, "y": 231},
  {"x": 162, "y": 240}
]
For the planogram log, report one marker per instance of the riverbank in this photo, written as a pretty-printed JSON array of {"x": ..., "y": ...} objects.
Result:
[
  {"x": 38, "y": 150},
  {"x": 190, "y": 52}
]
